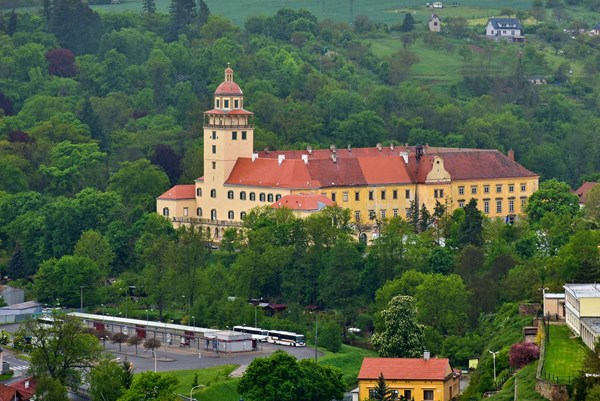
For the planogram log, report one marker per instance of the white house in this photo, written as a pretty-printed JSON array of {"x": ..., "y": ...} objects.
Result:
[
  {"x": 595, "y": 30},
  {"x": 582, "y": 311},
  {"x": 503, "y": 28},
  {"x": 437, "y": 4},
  {"x": 434, "y": 23}
]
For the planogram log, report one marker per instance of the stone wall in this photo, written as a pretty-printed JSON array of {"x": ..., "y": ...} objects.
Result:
[{"x": 551, "y": 391}]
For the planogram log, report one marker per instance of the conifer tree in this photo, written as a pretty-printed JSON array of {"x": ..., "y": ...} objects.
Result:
[
  {"x": 11, "y": 28},
  {"x": 409, "y": 23},
  {"x": 203, "y": 12},
  {"x": 382, "y": 391},
  {"x": 149, "y": 6}
]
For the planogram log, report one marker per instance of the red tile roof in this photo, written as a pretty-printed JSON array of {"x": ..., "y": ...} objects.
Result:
[
  {"x": 405, "y": 368},
  {"x": 229, "y": 112},
  {"x": 180, "y": 192},
  {"x": 23, "y": 390},
  {"x": 583, "y": 190},
  {"x": 369, "y": 166},
  {"x": 307, "y": 202},
  {"x": 228, "y": 88}
]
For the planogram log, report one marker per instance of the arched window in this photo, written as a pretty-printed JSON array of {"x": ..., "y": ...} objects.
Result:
[
  {"x": 229, "y": 194},
  {"x": 230, "y": 215},
  {"x": 213, "y": 214},
  {"x": 363, "y": 238},
  {"x": 252, "y": 196},
  {"x": 277, "y": 197},
  {"x": 213, "y": 193},
  {"x": 243, "y": 195},
  {"x": 198, "y": 191},
  {"x": 270, "y": 198},
  {"x": 217, "y": 232},
  {"x": 166, "y": 211},
  {"x": 199, "y": 212},
  {"x": 242, "y": 215},
  {"x": 261, "y": 197}
]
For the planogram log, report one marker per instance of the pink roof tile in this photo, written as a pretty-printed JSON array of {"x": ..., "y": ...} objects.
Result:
[
  {"x": 405, "y": 368},
  {"x": 583, "y": 190},
  {"x": 179, "y": 192}
]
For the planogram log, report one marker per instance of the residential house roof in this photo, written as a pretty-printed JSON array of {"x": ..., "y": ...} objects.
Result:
[
  {"x": 583, "y": 190},
  {"x": 505, "y": 23},
  {"x": 21, "y": 390},
  {"x": 304, "y": 202},
  {"x": 180, "y": 192},
  {"x": 405, "y": 368}
]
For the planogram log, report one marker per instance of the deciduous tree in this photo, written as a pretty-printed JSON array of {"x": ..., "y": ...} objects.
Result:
[{"x": 399, "y": 336}]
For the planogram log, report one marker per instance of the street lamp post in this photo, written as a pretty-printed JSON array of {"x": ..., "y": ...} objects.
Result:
[
  {"x": 147, "y": 317},
  {"x": 154, "y": 353},
  {"x": 193, "y": 321},
  {"x": 193, "y": 388},
  {"x": 494, "y": 355},
  {"x": 316, "y": 333}
]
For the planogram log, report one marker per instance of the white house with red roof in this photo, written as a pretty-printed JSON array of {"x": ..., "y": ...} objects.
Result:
[
  {"x": 412, "y": 378},
  {"x": 374, "y": 183}
]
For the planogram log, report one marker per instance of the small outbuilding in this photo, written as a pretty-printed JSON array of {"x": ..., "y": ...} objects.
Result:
[
  {"x": 435, "y": 24},
  {"x": 228, "y": 341}
]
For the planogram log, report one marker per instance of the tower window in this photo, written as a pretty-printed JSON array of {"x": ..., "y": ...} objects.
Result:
[
  {"x": 229, "y": 194},
  {"x": 234, "y": 135},
  {"x": 218, "y": 103},
  {"x": 243, "y": 135},
  {"x": 243, "y": 195},
  {"x": 226, "y": 103},
  {"x": 213, "y": 193},
  {"x": 198, "y": 191},
  {"x": 214, "y": 135},
  {"x": 230, "y": 215},
  {"x": 236, "y": 103},
  {"x": 252, "y": 196},
  {"x": 214, "y": 149},
  {"x": 214, "y": 165}
]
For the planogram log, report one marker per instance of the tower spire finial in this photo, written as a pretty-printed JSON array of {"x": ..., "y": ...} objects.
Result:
[{"x": 228, "y": 73}]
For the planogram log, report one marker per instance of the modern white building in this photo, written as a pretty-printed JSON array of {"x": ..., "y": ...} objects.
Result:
[
  {"x": 503, "y": 28},
  {"x": 228, "y": 341},
  {"x": 582, "y": 311}
]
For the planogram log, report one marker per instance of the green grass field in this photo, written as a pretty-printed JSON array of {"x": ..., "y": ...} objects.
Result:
[
  {"x": 564, "y": 355},
  {"x": 348, "y": 360},
  {"x": 525, "y": 386}
]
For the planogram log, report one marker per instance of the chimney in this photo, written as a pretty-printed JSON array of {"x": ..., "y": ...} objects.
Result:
[
  {"x": 426, "y": 355},
  {"x": 26, "y": 384},
  {"x": 379, "y": 147},
  {"x": 280, "y": 159},
  {"x": 332, "y": 148},
  {"x": 334, "y": 157},
  {"x": 309, "y": 150},
  {"x": 254, "y": 156},
  {"x": 349, "y": 148},
  {"x": 267, "y": 150},
  {"x": 404, "y": 155},
  {"x": 391, "y": 146},
  {"x": 305, "y": 159},
  {"x": 511, "y": 154}
]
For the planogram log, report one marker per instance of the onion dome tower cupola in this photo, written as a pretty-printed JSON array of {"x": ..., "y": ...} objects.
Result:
[{"x": 228, "y": 94}]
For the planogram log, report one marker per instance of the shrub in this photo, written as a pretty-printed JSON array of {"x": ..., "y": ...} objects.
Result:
[{"x": 522, "y": 353}]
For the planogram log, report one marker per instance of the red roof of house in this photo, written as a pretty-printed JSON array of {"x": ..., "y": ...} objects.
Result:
[
  {"x": 583, "y": 190},
  {"x": 306, "y": 202},
  {"x": 23, "y": 390},
  {"x": 180, "y": 192},
  {"x": 405, "y": 368}
]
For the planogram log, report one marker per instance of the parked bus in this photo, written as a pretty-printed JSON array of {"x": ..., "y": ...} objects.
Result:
[
  {"x": 257, "y": 333},
  {"x": 286, "y": 338}
]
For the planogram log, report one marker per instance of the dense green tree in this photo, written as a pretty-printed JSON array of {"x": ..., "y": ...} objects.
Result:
[
  {"x": 399, "y": 336},
  {"x": 471, "y": 228},
  {"x": 553, "y": 196},
  {"x": 408, "y": 24},
  {"x": 94, "y": 246},
  {"x": 330, "y": 335},
  {"x": 139, "y": 183},
  {"x": 281, "y": 377},
  {"x": 149, "y": 6},
  {"x": 107, "y": 381},
  {"x": 592, "y": 203},
  {"x": 152, "y": 387}
]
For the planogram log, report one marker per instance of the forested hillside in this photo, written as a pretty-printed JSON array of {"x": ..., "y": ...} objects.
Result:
[{"x": 101, "y": 113}]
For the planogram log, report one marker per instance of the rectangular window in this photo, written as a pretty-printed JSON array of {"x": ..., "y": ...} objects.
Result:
[
  {"x": 498, "y": 188},
  {"x": 218, "y": 103},
  {"x": 498, "y": 205},
  {"x": 372, "y": 214},
  {"x": 511, "y": 187},
  {"x": 407, "y": 212},
  {"x": 438, "y": 193},
  {"x": 371, "y": 195},
  {"x": 243, "y": 135},
  {"x": 185, "y": 211},
  {"x": 357, "y": 215},
  {"x": 214, "y": 135},
  {"x": 486, "y": 206},
  {"x": 428, "y": 395},
  {"x": 236, "y": 103},
  {"x": 461, "y": 203},
  {"x": 523, "y": 187},
  {"x": 486, "y": 189},
  {"x": 408, "y": 394},
  {"x": 395, "y": 194},
  {"x": 214, "y": 149},
  {"x": 356, "y": 196},
  {"x": 345, "y": 196},
  {"x": 382, "y": 213},
  {"x": 333, "y": 196},
  {"x": 407, "y": 194},
  {"x": 383, "y": 195},
  {"x": 461, "y": 190},
  {"x": 473, "y": 189},
  {"x": 511, "y": 206},
  {"x": 226, "y": 103},
  {"x": 523, "y": 202},
  {"x": 234, "y": 136},
  {"x": 395, "y": 212},
  {"x": 214, "y": 165}
]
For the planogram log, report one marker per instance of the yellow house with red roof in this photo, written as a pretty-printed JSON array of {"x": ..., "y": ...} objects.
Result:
[
  {"x": 373, "y": 183},
  {"x": 421, "y": 379}
]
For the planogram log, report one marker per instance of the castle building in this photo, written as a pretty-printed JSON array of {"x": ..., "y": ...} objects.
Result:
[{"x": 374, "y": 183}]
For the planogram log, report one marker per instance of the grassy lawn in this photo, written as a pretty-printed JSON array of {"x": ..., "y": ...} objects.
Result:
[
  {"x": 219, "y": 386},
  {"x": 348, "y": 360},
  {"x": 525, "y": 386},
  {"x": 564, "y": 355}
]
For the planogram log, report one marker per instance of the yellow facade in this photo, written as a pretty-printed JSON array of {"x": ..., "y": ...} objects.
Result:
[{"x": 417, "y": 389}]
